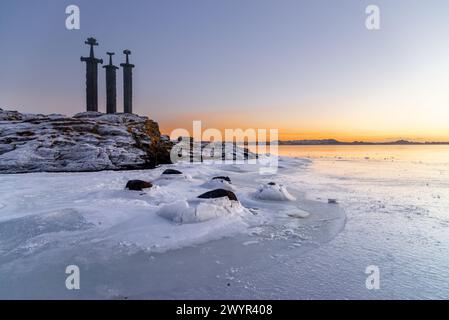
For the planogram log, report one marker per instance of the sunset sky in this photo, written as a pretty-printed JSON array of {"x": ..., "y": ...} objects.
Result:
[{"x": 309, "y": 68}]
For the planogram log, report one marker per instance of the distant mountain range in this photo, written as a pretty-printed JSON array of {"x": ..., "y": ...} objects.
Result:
[{"x": 336, "y": 142}]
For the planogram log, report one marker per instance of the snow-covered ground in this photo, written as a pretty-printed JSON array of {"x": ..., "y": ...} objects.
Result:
[
  {"x": 282, "y": 241},
  {"x": 158, "y": 243}
]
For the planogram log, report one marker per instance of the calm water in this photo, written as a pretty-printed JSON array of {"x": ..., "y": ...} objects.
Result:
[{"x": 423, "y": 153}]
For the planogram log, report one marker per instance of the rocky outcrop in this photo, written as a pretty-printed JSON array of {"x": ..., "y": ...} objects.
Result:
[{"x": 89, "y": 141}]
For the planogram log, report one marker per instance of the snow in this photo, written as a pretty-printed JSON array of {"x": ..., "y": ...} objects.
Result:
[
  {"x": 57, "y": 219},
  {"x": 299, "y": 214},
  {"x": 165, "y": 243},
  {"x": 199, "y": 210}
]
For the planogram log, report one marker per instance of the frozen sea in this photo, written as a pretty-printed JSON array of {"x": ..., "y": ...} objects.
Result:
[{"x": 392, "y": 213}]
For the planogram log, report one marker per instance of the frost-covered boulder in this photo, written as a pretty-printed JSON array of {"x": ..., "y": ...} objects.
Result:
[
  {"x": 171, "y": 171},
  {"x": 222, "y": 178},
  {"x": 219, "y": 183},
  {"x": 187, "y": 150},
  {"x": 273, "y": 192},
  {"x": 89, "y": 141},
  {"x": 199, "y": 210},
  {"x": 170, "y": 176},
  {"x": 219, "y": 193}
]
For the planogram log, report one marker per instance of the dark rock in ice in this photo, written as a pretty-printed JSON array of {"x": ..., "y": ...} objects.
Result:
[
  {"x": 172, "y": 171},
  {"x": 223, "y": 178},
  {"x": 219, "y": 193},
  {"x": 271, "y": 183},
  {"x": 332, "y": 201},
  {"x": 138, "y": 185}
]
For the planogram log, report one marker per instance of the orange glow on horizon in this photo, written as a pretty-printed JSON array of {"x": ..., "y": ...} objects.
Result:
[
  {"x": 286, "y": 134},
  {"x": 294, "y": 126}
]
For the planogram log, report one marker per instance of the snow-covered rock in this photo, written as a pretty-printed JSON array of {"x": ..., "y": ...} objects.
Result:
[
  {"x": 172, "y": 172},
  {"x": 170, "y": 175},
  {"x": 89, "y": 141},
  {"x": 198, "y": 210},
  {"x": 218, "y": 183},
  {"x": 219, "y": 193},
  {"x": 187, "y": 150},
  {"x": 274, "y": 192},
  {"x": 299, "y": 214}
]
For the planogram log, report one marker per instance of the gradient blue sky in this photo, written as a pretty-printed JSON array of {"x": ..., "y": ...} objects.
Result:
[{"x": 307, "y": 67}]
